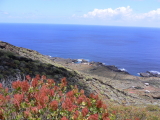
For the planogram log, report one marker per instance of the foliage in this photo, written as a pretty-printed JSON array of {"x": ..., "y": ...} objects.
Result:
[
  {"x": 11, "y": 64},
  {"x": 40, "y": 98}
]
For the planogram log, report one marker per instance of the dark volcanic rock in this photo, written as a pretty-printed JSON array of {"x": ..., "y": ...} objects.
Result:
[
  {"x": 84, "y": 61},
  {"x": 138, "y": 87},
  {"x": 75, "y": 60},
  {"x": 153, "y": 73},
  {"x": 110, "y": 67},
  {"x": 145, "y": 74},
  {"x": 150, "y": 74},
  {"x": 114, "y": 68},
  {"x": 97, "y": 63}
]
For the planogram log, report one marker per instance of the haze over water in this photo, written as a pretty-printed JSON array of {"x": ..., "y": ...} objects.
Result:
[{"x": 134, "y": 48}]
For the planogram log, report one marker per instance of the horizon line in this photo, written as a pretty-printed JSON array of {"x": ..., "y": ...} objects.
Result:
[{"x": 77, "y": 24}]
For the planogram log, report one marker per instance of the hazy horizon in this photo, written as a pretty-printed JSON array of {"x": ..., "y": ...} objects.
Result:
[{"x": 134, "y": 13}]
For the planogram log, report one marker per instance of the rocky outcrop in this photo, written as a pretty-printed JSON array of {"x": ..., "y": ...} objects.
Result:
[
  {"x": 114, "y": 68},
  {"x": 98, "y": 64},
  {"x": 150, "y": 74},
  {"x": 145, "y": 74}
]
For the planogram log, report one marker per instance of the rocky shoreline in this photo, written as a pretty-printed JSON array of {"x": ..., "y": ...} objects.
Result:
[
  {"x": 147, "y": 87},
  {"x": 150, "y": 74},
  {"x": 111, "y": 67},
  {"x": 86, "y": 62}
]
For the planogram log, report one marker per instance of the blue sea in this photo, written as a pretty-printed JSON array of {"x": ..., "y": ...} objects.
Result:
[{"x": 137, "y": 49}]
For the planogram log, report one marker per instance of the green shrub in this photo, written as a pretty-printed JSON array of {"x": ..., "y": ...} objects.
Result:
[
  {"x": 40, "y": 99},
  {"x": 17, "y": 62}
]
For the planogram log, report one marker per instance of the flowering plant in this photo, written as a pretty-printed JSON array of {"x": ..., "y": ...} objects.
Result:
[{"x": 40, "y": 98}]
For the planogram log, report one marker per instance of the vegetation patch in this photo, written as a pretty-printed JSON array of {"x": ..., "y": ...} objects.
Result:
[
  {"x": 11, "y": 64},
  {"x": 40, "y": 98}
]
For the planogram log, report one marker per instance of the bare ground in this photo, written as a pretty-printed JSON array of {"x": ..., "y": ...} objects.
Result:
[{"x": 116, "y": 86}]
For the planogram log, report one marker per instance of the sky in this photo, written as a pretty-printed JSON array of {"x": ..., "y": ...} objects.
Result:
[{"x": 141, "y": 13}]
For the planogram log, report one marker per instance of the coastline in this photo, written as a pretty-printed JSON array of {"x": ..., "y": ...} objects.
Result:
[
  {"x": 104, "y": 80},
  {"x": 86, "y": 62},
  {"x": 114, "y": 68},
  {"x": 122, "y": 80}
]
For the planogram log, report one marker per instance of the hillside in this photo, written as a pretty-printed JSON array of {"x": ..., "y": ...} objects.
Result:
[
  {"x": 121, "y": 88},
  {"x": 16, "y": 62}
]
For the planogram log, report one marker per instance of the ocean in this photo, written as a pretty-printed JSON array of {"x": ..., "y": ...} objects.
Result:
[{"x": 136, "y": 49}]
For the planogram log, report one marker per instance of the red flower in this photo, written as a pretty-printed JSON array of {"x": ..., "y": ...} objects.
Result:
[
  {"x": 24, "y": 86},
  {"x": 16, "y": 84},
  {"x": 41, "y": 99},
  {"x": 94, "y": 96},
  {"x": 81, "y": 99},
  {"x": 93, "y": 117},
  {"x": 64, "y": 118},
  {"x": 99, "y": 104},
  {"x": 56, "y": 88},
  {"x": 51, "y": 92},
  {"x": 63, "y": 82},
  {"x": 88, "y": 102},
  {"x": 2, "y": 99},
  {"x": 68, "y": 105},
  {"x": 34, "y": 110},
  {"x": 18, "y": 98},
  {"x": 50, "y": 82},
  {"x": 1, "y": 86},
  {"x": 45, "y": 90},
  {"x": 76, "y": 114},
  {"x": 70, "y": 94},
  {"x": 28, "y": 78},
  {"x": 85, "y": 111},
  {"x": 54, "y": 104},
  {"x": 105, "y": 116},
  {"x": 34, "y": 82},
  {"x": 26, "y": 114},
  {"x": 137, "y": 119}
]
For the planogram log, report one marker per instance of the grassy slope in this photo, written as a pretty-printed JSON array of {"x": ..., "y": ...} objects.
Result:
[{"x": 17, "y": 61}]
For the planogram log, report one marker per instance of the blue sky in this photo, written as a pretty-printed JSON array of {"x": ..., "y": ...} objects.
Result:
[{"x": 144, "y": 13}]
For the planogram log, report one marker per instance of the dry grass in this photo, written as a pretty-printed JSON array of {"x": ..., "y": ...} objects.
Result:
[{"x": 148, "y": 112}]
